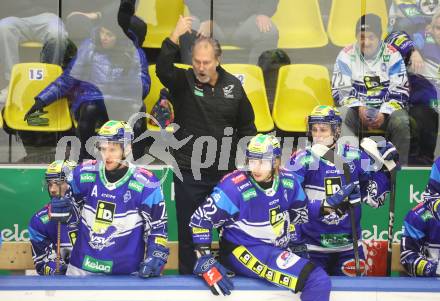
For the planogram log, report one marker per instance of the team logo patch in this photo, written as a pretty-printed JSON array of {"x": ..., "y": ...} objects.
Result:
[
  {"x": 349, "y": 267},
  {"x": 227, "y": 91},
  {"x": 286, "y": 259},
  {"x": 127, "y": 196}
]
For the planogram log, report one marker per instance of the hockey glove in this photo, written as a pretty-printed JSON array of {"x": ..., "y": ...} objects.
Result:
[
  {"x": 337, "y": 201},
  {"x": 299, "y": 249},
  {"x": 50, "y": 268},
  {"x": 155, "y": 262},
  {"x": 60, "y": 209},
  {"x": 214, "y": 274},
  {"x": 389, "y": 152},
  {"x": 37, "y": 106},
  {"x": 434, "y": 206}
]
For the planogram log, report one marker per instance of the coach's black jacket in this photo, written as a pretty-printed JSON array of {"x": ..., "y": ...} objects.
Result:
[{"x": 203, "y": 110}]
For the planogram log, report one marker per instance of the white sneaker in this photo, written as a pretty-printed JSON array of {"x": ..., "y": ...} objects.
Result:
[{"x": 3, "y": 96}]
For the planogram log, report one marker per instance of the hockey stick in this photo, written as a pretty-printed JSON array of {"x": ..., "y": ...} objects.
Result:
[
  {"x": 370, "y": 146},
  {"x": 329, "y": 155},
  {"x": 58, "y": 259}
]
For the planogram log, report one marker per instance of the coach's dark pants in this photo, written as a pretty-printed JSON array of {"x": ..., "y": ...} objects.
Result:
[{"x": 189, "y": 195}]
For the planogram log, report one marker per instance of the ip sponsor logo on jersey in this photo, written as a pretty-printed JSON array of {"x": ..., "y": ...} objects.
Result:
[
  {"x": 286, "y": 260},
  {"x": 105, "y": 212},
  {"x": 72, "y": 236},
  {"x": 332, "y": 185}
]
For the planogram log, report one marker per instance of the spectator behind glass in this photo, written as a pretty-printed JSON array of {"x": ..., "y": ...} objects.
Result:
[
  {"x": 24, "y": 21},
  {"x": 411, "y": 15},
  {"x": 370, "y": 85},
  {"x": 107, "y": 78},
  {"x": 82, "y": 15},
  {"x": 244, "y": 23},
  {"x": 424, "y": 87}
]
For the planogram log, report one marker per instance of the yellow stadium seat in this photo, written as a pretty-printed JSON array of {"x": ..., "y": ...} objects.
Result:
[
  {"x": 299, "y": 24},
  {"x": 161, "y": 17},
  {"x": 1, "y": 119},
  {"x": 154, "y": 93},
  {"x": 252, "y": 80},
  {"x": 27, "y": 80},
  {"x": 299, "y": 89},
  {"x": 345, "y": 13}
]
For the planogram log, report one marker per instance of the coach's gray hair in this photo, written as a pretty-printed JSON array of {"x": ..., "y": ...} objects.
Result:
[{"x": 211, "y": 41}]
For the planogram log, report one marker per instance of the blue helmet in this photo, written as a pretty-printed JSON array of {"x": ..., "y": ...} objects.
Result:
[
  {"x": 326, "y": 115},
  {"x": 263, "y": 146},
  {"x": 59, "y": 170},
  {"x": 116, "y": 131}
]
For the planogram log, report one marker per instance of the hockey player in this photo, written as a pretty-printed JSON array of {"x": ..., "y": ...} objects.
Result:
[
  {"x": 257, "y": 212},
  {"x": 329, "y": 234},
  {"x": 370, "y": 83},
  {"x": 419, "y": 246},
  {"x": 43, "y": 227},
  {"x": 419, "y": 252},
  {"x": 424, "y": 85},
  {"x": 122, "y": 211}
]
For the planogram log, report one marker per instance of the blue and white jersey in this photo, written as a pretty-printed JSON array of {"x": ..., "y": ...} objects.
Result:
[
  {"x": 424, "y": 87},
  {"x": 250, "y": 215},
  {"x": 43, "y": 233},
  {"x": 321, "y": 179},
  {"x": 379, "y": 82},
  {"x": 117, "y": 219},
  {"x": 420, "y": 243}
]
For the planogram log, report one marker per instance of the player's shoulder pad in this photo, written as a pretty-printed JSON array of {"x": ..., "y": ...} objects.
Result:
[
  {"x": 303, "y": 156},
  {"x": 89, "y": 165},
  {"x": 422, "y": 211},
  {"x": 145, "y": 178},
  {"x": 234, "y": 183},
  {"x": 350, "y": 152},
  {"x": 288, "y": 179},
  {"x": 41, "y": 216}
]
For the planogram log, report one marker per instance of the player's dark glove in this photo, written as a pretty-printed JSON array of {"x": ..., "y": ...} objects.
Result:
[
  {"x": 50, "y": 268},
  {"x": 434, "y": 205},
  {"x": 60, "y": 209},
  {"x": 154, "y": 264},
  {"x": 340, "y": 201},
  {"x": 214, "y": 274},
  {"x": 37, "y": 106}
]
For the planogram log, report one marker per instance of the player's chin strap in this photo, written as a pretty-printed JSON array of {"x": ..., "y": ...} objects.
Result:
[{"x": 330, "y": 155}]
